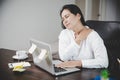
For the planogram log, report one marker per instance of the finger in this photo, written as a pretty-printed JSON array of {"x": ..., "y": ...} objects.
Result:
[{"x": 59, "y": 65}]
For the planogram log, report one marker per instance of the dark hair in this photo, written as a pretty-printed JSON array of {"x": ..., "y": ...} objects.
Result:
[{"x": 74, "y": 10}]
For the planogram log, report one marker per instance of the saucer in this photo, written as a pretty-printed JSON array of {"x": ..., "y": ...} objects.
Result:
[{"x": 19, "y": 57}]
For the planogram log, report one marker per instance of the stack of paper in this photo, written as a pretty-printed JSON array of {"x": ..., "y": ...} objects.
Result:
[{"x": 19, "y": 66}]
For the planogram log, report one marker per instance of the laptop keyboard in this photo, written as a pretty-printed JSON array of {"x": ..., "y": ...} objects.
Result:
[{"x": 58, "y": 69}]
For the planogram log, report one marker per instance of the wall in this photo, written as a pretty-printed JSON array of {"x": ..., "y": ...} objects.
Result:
[
  {"x": 109, "y": 10},
  {"x": 112, "y": 10},
  {"x": 21, "y": 20},
  {"x": 95, "y": 9},
  {"x": 88, "y": 9},
  {"x": 81, "y": 5}
]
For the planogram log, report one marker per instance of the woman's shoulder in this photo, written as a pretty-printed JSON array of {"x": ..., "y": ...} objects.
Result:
[
  {"x": 94, "y": 36},
  {"x": 65, "y": 33},
  {"x": 94, "y": 33}
]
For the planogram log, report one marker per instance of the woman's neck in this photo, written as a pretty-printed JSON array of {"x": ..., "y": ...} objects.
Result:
[{"x": 79, "y": 29}]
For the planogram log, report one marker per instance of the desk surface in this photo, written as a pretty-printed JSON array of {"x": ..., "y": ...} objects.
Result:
[{"x": 35, "y": 73}]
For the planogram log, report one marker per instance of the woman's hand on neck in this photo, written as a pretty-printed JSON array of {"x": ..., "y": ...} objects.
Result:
[
  {"x": 79, "y": 29},
  {"x": 82, "y": 35}
]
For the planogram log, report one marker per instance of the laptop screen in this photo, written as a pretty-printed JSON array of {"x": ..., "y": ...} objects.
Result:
[{"x": 42, "y": 56}]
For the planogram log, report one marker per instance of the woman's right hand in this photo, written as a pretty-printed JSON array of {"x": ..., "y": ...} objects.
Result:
[{"x": 65, "y": 64}]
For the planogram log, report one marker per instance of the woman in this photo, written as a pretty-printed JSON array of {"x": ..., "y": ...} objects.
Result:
[{"x": 78, "y": 44}]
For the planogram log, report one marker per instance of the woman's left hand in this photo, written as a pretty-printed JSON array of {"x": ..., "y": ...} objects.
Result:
[{"x": 70, "y": 64}]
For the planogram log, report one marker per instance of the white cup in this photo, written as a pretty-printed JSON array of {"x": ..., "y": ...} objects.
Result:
[{"x": 21, "y": 54}]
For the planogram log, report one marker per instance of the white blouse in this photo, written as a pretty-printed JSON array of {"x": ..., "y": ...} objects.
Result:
[{"x": 92, "y": 51}]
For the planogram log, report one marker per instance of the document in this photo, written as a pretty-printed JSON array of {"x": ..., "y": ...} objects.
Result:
[{"x": 32, "y": 48}]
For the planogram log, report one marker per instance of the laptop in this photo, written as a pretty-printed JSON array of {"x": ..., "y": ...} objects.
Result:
[{"x": 42, "y": 57}]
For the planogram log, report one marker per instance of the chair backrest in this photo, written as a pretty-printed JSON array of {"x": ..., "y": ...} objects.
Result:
[
  {"x": 108, "y": 30},
  {"x": 110, "y": 33}
]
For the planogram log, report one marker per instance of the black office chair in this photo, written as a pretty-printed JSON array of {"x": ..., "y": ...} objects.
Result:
[{"x": 110, "y": 33}]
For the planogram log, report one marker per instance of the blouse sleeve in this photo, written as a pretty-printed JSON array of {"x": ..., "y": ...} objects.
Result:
[
  {"x": 67, "y": 46},
  {"x": 100, "y": 59}
]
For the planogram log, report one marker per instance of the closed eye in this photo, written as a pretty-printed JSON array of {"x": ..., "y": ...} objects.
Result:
[{"x": 66, "y": 16}]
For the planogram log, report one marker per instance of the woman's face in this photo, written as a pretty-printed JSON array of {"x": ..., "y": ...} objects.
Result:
[{"x": 69, "y": 20}]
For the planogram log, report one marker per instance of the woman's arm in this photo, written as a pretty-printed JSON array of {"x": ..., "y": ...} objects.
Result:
[
  {"x": 72, "y": 63},
  {"x": 100, "y": 59},
  {"x": 67, "y": 46}
]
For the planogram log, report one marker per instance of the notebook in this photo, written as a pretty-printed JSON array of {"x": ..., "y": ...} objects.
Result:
[{"x": 42, "y": 57}]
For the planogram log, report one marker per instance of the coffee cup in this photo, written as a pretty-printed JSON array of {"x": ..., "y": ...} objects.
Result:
[{"x": 21, "y": 54}]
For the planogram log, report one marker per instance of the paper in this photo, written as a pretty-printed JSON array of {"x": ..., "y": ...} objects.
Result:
[
  {"x": 32, "y": 48},
  {"x": 19, "y": 68},
  {"x": 48, "y": 59},
  {"x": 42, "y": 54},
  {"x": 24, "y": 64}
]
